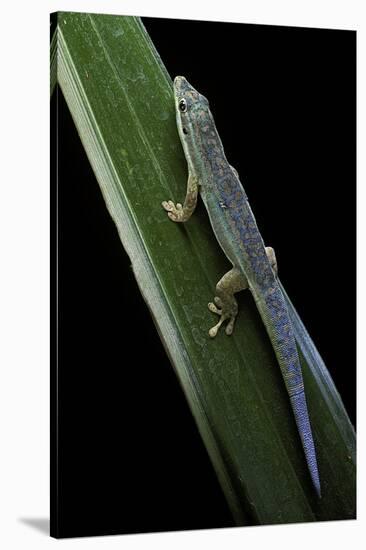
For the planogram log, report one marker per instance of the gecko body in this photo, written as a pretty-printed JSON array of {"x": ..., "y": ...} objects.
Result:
[{"x": 235, "y": 228}]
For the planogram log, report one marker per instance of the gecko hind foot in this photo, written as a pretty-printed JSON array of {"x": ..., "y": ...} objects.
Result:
[
  {"x": 225, "y": 303},
  {"x": 226, "y": 311}
]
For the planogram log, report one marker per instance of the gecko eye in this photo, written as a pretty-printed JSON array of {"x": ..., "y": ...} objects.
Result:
[{"x": 182, "y": 105}]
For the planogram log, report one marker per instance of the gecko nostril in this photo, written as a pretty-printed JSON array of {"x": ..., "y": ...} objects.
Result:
[{"x": 185, "y": 131}]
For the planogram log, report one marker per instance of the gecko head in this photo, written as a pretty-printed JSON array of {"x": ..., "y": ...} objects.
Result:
[{"x": 191, "y": 107}]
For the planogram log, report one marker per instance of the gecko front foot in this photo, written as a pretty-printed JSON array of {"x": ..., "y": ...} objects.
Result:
[
  {"x": 227, "y": 309},
  {"x": 175, "y": 211},
  {"x": 225, "y": 302}
]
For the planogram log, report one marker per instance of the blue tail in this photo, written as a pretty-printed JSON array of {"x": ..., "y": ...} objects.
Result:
[
  {"x": 298, "y": 403},
  {"x": 275, "y": 316}
]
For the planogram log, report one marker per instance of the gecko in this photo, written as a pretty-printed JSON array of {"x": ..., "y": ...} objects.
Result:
[{"x": 235, "y": 228}]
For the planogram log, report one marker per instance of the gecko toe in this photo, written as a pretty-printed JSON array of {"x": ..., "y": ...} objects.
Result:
[
  {"x": 168, "y": 205},
  {"x": 214, "y": 330},
  {"x": 230, "y": 326},
  {"x": 214, "y": 309},
  {"x": 218, "y": 301}
]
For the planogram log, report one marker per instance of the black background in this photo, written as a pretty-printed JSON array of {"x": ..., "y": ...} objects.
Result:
[{"x": 130, "y": 458}]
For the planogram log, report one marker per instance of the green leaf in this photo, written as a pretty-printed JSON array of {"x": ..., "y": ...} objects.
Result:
[{"x": 120, "y": 96}]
